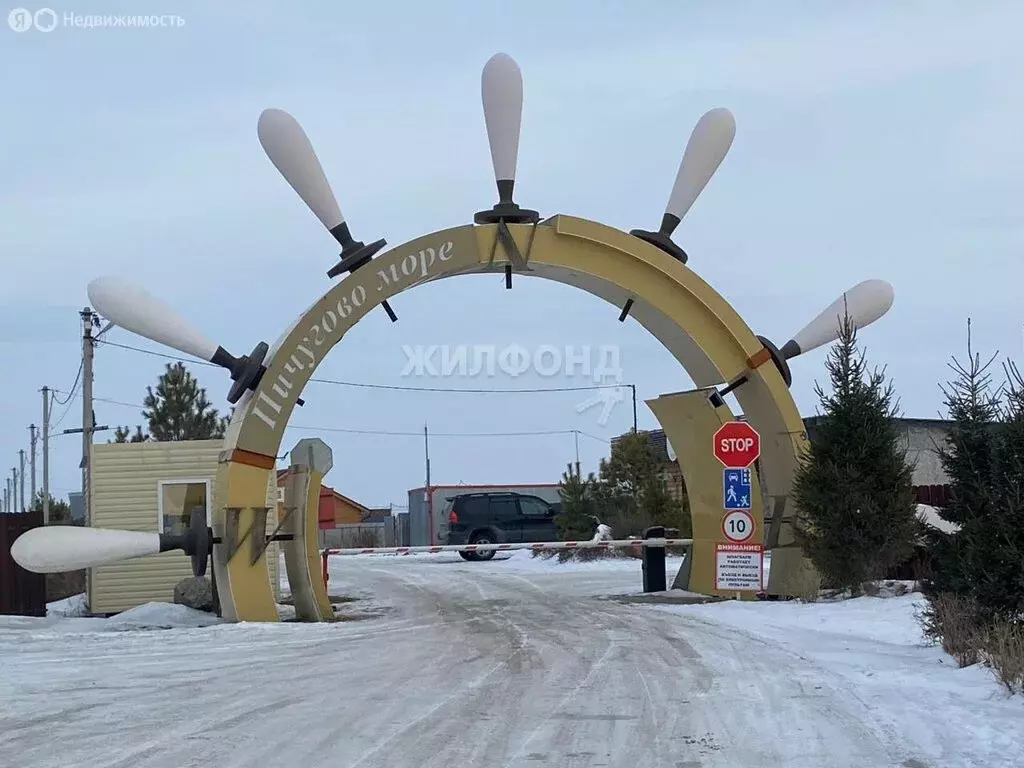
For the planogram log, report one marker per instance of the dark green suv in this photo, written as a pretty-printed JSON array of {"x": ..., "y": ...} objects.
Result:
[{"x": 498, "y": 517}]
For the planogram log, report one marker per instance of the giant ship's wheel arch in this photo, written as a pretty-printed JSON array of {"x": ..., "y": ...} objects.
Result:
[{"x": 644, "y": 274}]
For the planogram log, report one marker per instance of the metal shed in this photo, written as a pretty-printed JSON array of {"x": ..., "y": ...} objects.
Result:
[{"x": 150, "y": 487}]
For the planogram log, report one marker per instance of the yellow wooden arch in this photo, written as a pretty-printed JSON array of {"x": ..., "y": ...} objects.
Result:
[{"x": 705, "y": 334}]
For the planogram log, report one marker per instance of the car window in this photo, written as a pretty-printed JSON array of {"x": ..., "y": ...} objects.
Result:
[
  {"x": 473, "y": 506},
  {"x": 503, "y": 508},
  {"x": 533, "y": 506}
]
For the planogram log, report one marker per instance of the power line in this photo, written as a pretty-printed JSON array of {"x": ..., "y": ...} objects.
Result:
[
  {"x": 400, "y": 433},
  {"x": 464, "y": 391},
  {"x": 72, "y": 396},
  {"x": 366, "y": 385},
  {"x": 393, "y": 387},
  {"x": 117, "y": 402},
  {"x": 154, "y": 353},
  {"x": 74, "y": 387},
  {"x": 436, "y": 434}
]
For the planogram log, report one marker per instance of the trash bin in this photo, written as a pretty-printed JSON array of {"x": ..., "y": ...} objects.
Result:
[{"x": 653, "y": 562}]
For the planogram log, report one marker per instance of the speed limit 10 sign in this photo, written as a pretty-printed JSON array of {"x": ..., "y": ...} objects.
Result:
[{"x": 738, "y": 525}]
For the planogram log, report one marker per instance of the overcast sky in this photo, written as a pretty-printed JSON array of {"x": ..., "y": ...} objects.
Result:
[{"x": 874, "y": 139}]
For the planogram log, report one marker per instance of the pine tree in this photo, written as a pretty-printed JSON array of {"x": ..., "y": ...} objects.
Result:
[
  {"x": 60, "y": 510},
  {"x": 854, "y": 488},
  {"x": 178, "y": 408},
  {"x": 125, "y": 435},
  {"x": 631, "y": 493},
  {"x": 575, "y": 521},
  {"x": 630, "y": 466}
]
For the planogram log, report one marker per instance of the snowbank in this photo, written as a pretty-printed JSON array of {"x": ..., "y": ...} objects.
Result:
[
  {"x": 885, "y": 620},
  {"x": 160, "y": 616},
  {"x": 75, "y": 606},
  {"x": 875, "y": 646},
  {"x": 69, "y": 617}
]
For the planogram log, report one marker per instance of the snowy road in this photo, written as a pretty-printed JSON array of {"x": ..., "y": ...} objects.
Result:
[{"x": 508, "y": 663}]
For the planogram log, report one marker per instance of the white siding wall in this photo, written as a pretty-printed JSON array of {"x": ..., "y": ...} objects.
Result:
[{"x": 125, "y": 492}]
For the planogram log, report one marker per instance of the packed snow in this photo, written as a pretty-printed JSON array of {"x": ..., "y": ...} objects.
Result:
[
  {"x": 514, "y": 662},
  {"x": 75, "y": 606}
]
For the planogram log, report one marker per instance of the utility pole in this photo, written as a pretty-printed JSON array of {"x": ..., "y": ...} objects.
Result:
[
  {"x": 430, "y": 495},
  {"x": 21, "y": 478},
  {"x": 46, "y": 455},
  {"x": 32, "y": 463},
  {"x": 576, "y": 435},
  {"x": 633, "y": 388},
  {"x": 88, "y": 347},
  {"x": 14, "y": 490}
]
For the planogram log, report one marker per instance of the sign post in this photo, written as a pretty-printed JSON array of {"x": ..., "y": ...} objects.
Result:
[
  {"x": 738, "y": 564},
  {"x": 739, "y": 567}
]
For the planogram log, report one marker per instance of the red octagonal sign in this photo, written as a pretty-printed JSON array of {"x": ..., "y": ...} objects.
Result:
[{"x": 737, "y": 444}]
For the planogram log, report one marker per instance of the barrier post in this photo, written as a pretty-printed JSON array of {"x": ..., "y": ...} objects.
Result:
[{"x": 653, "y": 561}]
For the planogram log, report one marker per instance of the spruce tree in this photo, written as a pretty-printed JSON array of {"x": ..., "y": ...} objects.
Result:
[
  {"x": 178, "y": 408},
  {"x": 999, "y": 583},
  {"x": 968, "y": 459},
  {"x": 973, "y": 407},
  {"x": 983, "y": 560},
  {"x": 854, "y": 487}
]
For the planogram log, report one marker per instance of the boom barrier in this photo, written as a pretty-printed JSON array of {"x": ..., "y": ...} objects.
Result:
[{"x": 536, "y": 546}]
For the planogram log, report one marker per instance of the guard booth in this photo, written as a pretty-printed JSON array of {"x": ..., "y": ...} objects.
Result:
[{"x": 153, "y": 487}]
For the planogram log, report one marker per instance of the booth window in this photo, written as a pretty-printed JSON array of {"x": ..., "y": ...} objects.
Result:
[{"x": 177, "y": 498}]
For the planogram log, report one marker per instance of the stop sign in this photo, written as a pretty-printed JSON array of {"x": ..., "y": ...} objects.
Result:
[{"x": 737, "y": 444}]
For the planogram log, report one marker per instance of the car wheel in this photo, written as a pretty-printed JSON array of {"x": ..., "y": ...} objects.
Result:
[{"x": 482, "y": 538}]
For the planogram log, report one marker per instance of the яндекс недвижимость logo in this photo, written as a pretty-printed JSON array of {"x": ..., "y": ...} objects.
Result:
[{"x": 22, "y": 19}]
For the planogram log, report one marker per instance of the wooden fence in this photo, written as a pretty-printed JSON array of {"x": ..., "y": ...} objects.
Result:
[
  {"x": 21, "y": 592},
  {"x": 380, "y": 533},
  {"x": 932, "y": 495}
]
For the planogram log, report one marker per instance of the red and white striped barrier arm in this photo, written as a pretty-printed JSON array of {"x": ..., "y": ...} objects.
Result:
[{"x": 536, "y": 546}]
